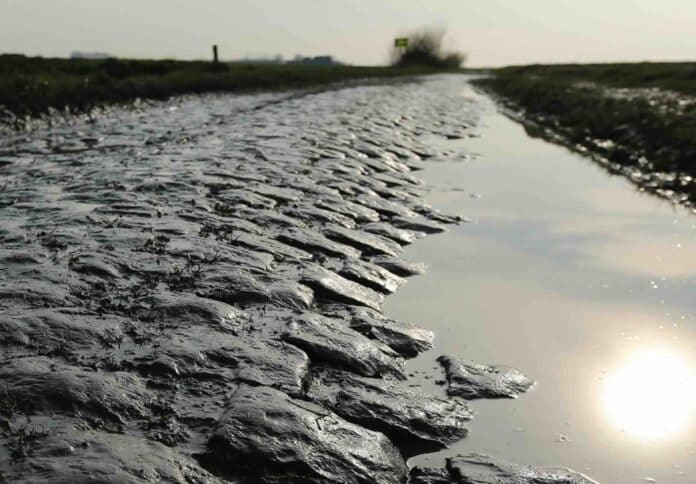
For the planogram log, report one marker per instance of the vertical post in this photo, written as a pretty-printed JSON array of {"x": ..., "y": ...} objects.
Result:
[{"x": 215, "y": 54}]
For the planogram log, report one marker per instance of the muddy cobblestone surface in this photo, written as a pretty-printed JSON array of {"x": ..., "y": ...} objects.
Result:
[{"x": 192, "y": 292}]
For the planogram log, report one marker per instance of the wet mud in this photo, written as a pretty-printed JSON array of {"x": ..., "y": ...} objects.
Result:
[{"x": 192, "y": 291}]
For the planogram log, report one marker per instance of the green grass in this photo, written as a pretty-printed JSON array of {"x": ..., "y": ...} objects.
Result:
[
  {"x": 32, "y": 85},
  {"x": 675, "y": 76},
  {"x": 572, "y": 100}
]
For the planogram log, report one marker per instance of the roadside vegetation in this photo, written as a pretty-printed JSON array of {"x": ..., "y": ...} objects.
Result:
[
  {"x": 639, "y": 119},
  {"x": 425, "y": 49},
  {"x": 32, "y": 85}
]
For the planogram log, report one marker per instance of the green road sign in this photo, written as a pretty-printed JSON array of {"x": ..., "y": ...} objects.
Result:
[{"x": 401, "y": 42}]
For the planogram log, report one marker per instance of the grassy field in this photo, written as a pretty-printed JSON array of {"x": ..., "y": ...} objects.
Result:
[
  {"x": 31, "y": 85},
  {"x": 674, "y": 76},
  {"x": 635, "y": 115}
]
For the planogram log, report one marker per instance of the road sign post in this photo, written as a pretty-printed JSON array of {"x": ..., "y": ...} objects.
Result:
[{"x": 401, "y": 43}]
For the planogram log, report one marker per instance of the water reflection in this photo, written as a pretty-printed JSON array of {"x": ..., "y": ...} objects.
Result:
[
  {"x": 566, "y": 275},
  {"x": 651, "y": 396}
]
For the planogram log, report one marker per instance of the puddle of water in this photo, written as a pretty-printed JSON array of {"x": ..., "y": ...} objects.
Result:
[{"x": 578, "y": 279}]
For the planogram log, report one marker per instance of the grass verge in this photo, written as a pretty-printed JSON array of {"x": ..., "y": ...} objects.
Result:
[
  {"x": 639, "y": 119},
  {"x": 30, "y": 86}
]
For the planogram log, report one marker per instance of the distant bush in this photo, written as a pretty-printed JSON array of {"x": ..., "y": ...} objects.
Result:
[{"x": 425, "y": 49}]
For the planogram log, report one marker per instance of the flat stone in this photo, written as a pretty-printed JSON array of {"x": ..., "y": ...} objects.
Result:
[
  {"x": 226, "y": 224},
  {"x": 329, "y": 341},
  {"x": 309, "y": 185},
  {"x": 400, "y": 267},
  {"x": 428, "y": 475},
  {"x": 244, "y": 178},
  {"x": 363, "y": 241},
  {"x": 470, "y": 380},
  {"x": 70, "y": 453},
  {"x": 418, "y": 225},
  {"x": 386, "y": 207},
  {"x": 93, "y": 264},
  {"x": 397, "y": 179},
  {"x": 266, "y": 433},
  {"x": 187, "y": 308},
  {"x": 36, "y": 293},
  {"x": 21, "y": 257},
  {"x": 437, "y": 216},
  {"x": 290, "y": 294},
  {"x": 277, "y": 193},
  {"x": 266, "y": 244},
  {"x": 195, "y": 249},
  {"x": 371, "y": 275},
  {"x": 266, "y": 218},
  {"x": 241, "y": 288},
  {"x": 358, "y": 212},
  {"x": 333, "y": 287},
  {"x": 312, "y": 241},
  {"x": 50, "y": 330},
  {"x": 353, "y": 190},
  {"x": 258, "y": 362},
  {"x": 319, "y": 215},
  {"x": 402, "y": 236},
  {"x": 231, "y": 198},
  {"x": 338, "y": 166},
  {"x": 486, "y": 470},
  {"x": 373, "y": 151},
  {"x": 229, "y": 284},
  {"x": 407, "y": 156},
  {"x": 405, "y": 194},
  {"x": 45, "y": 385},
  {"x": 405, "y": 339},
  {"x": 417, "y": 422}
]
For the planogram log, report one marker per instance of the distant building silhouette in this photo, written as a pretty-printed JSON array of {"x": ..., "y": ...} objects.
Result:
[
  {"x": 320, "y": 60},
  {"x": 278, "y": 59},
  {"x": 89, "y": 55}
]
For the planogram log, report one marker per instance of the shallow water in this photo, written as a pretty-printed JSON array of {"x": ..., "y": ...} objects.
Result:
[{"x": 575, "y": 277}]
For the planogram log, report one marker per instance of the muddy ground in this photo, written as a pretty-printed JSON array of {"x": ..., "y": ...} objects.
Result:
[{"x": 191, "y": 291}]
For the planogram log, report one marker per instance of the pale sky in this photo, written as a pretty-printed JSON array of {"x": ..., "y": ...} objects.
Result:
[{"x": 491, "y": 32}]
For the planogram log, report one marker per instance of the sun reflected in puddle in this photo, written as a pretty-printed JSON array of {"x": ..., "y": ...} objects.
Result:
[{"x": 652, "y": 396}]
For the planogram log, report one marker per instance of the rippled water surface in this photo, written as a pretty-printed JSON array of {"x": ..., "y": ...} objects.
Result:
[{"x": 580, "y": 280}]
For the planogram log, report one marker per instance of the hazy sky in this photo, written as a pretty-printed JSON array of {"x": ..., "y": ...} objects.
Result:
[{"x": 492, "y": 32}]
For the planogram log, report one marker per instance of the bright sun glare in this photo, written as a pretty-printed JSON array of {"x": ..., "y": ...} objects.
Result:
[{"x": 652, "y": 396}]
